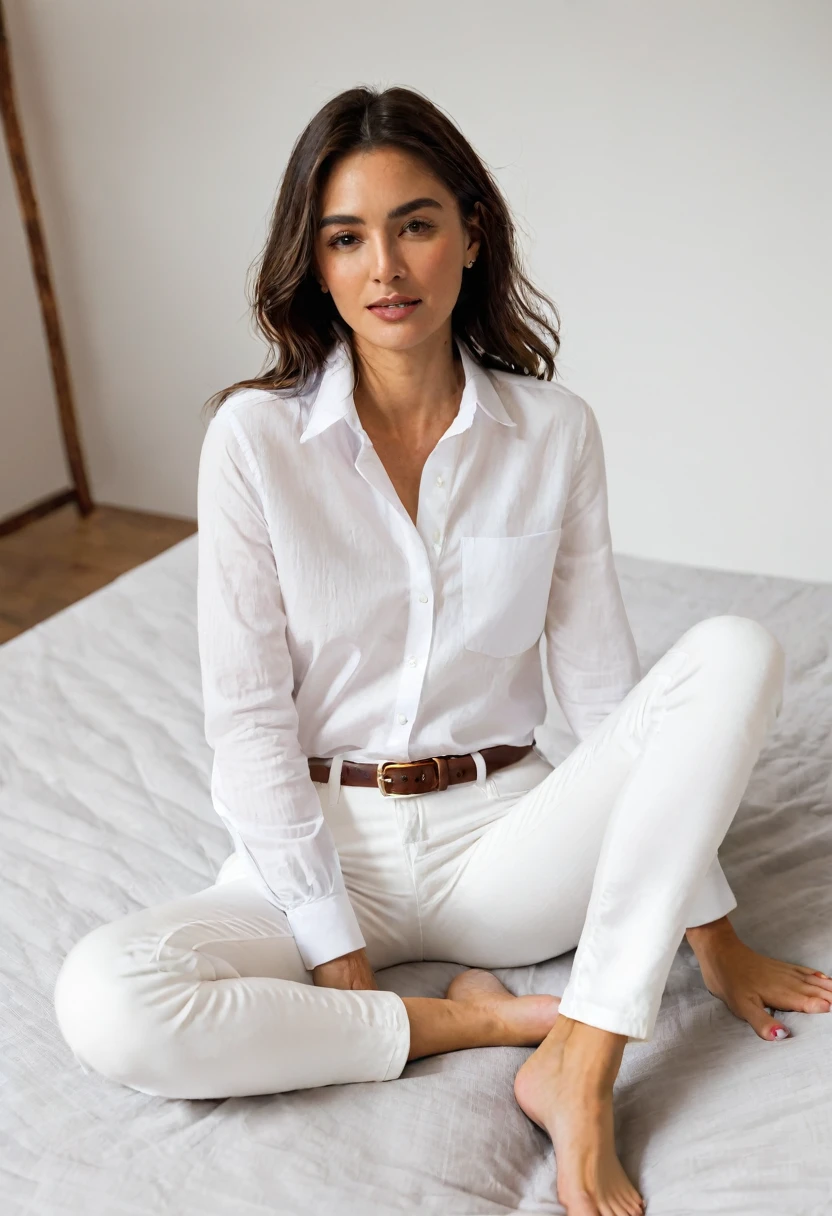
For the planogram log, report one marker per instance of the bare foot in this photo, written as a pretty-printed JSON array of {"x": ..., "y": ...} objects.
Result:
[
  {"x": 749, "y": 982},
  {"x": 526, "y": 1019},
  {"x": 565, "y": 1087}
]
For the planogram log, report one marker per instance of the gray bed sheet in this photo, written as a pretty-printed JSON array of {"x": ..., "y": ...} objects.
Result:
[{"x": 105, "y": 808}]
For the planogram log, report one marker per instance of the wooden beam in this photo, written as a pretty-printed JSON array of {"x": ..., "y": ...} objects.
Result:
[
  {"x": 44, "y": 506},
  {"x": 43, "y": 281}
]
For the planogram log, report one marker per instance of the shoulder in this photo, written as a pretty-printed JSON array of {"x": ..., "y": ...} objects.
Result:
[
  {"x": 547, "y": 394},
  {"x": 246, "y": 408},
  {"x": 254, "y": 421},
  {"x": 546, "y": 403}
]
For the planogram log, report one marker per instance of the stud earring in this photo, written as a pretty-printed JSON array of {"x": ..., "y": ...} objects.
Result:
[{"x": 471, "y": 263}]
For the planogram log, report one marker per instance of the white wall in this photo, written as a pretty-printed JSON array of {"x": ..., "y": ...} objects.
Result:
[
  {"x": 32, "y": 463},
  {"x": 668, "y": 164}
]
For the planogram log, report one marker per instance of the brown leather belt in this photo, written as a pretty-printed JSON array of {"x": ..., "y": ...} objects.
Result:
[{"x": 411, "y": 778}]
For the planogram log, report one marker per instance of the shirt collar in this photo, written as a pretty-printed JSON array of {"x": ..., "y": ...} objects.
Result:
[{"x": 334, "y": 397}]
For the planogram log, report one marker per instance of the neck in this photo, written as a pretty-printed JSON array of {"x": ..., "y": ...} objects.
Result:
[{"x": 407, "y": 394}]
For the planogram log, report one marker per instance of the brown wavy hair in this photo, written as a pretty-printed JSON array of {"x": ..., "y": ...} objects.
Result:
[{"x": 498, "y": 312}]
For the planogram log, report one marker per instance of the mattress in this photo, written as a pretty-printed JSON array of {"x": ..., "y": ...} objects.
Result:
[{"x": 105, "y": 808}]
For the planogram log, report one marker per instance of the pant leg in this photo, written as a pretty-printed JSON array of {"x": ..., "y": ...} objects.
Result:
[
  {"x": 207, "y": 997},
  {"x": 616, "y": 848},
  {"x": 712, "y": 899}
]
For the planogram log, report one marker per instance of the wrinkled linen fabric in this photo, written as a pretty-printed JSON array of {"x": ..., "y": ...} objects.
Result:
[{"x": 105, "y": 809}]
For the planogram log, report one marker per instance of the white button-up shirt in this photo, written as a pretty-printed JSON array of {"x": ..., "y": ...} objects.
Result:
[{"x": 329, "y": 623}]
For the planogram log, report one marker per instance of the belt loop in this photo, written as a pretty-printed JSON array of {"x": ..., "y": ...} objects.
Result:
[
  {"x": 481, "y": 770},
  {"x": 334, "y": 779}
]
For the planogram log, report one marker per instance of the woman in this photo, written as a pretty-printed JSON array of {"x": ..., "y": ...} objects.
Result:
[{"x": 390, "y": 518}]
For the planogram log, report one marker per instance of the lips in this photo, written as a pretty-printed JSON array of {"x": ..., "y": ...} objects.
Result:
[{"x": 395, "y": 304}]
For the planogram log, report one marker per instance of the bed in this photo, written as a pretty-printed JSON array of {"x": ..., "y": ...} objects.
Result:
[{"x": 105, "y": 808}]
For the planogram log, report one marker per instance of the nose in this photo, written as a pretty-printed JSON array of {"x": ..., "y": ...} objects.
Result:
[{"x": 386, "y": 259}]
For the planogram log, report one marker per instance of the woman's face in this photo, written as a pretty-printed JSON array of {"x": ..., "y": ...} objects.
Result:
[{"x": 389, "y": 227}]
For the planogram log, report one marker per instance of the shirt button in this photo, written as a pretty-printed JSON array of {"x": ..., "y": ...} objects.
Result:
[
  {"x": 437, "y": 535},
  {"x": 440, "y": 480},
  {"x": 411, "y": 662},
  {"x": 423, "y": 599},
  {"x": 402, "y": 718}
]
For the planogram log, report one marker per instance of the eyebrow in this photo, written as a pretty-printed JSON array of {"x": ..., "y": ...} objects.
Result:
[{"x": 415, "y": 204}]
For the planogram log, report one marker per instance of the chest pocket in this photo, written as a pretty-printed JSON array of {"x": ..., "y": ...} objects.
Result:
[{"x": 505, "y": 590}]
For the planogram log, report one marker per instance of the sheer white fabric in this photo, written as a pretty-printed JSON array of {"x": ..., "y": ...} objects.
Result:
[{"x": 332, "y": 625}]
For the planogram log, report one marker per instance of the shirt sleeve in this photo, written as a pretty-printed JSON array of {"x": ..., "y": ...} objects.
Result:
[
  {"x": 261, "y": 786},
  {"x": 591, "y": 654}
]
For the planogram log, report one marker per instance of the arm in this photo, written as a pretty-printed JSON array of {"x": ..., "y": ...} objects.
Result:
[
  {"x": 591, "y": 654},
  {"x": 261, "y": 784}
]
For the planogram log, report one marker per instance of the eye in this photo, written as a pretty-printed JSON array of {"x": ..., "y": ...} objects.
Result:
[{"x": 350, "y": 238}]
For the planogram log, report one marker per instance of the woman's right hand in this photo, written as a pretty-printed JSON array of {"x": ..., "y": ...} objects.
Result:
[{"x": 351, "y": 970}]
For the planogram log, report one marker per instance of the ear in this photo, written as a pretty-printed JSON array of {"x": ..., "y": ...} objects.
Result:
[{"x": 473, "y": 228}]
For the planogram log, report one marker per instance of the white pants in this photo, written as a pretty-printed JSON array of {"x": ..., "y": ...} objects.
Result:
[{"x": 614, "y": 850}]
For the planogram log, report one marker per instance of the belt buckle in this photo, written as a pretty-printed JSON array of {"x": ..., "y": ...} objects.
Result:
[{"x": 385, "y": 764}]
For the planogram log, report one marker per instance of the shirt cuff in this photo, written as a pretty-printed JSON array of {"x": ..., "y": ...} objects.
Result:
[{"x": 325, "y": 929}]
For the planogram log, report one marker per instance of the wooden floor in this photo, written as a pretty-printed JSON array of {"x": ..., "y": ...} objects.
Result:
[{"x": 60, "y": 558}]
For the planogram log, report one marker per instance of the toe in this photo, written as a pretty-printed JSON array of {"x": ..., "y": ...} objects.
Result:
[
  {"x": 818, "y": 977},
  {"x": 762, "y": 1022},
  {"x": 620, "y": 1205},
  {"x": 820, "y": 984}
]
